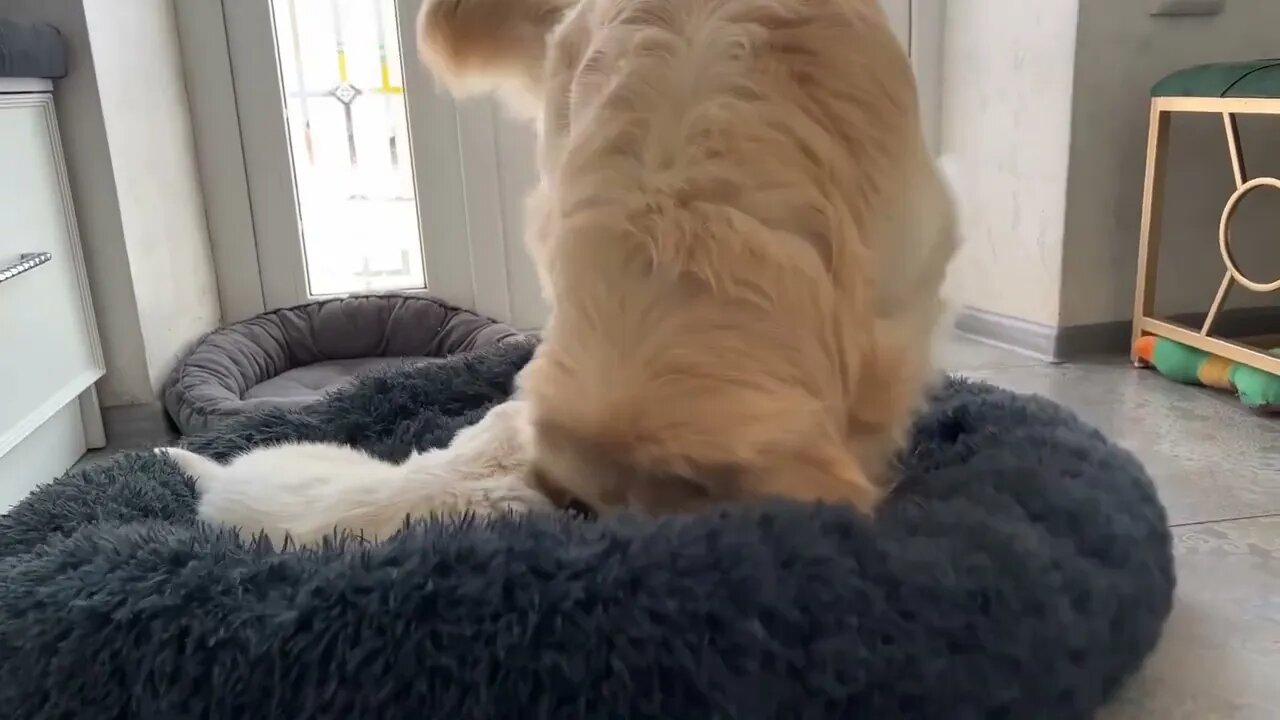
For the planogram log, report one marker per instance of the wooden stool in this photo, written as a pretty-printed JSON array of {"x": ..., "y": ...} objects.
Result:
[{"x": 1230, "y": 89}]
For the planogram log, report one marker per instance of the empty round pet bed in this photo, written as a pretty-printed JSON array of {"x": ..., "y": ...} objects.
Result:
[
  {"x": 293, "y": 357},
  {"x": 1022, "y": 569}
]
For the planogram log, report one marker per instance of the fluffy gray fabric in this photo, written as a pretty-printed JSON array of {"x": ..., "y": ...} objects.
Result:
[{"x": 1022, "y": 569}]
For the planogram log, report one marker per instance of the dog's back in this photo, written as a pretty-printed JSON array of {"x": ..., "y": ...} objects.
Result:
[{"x": 742, "y": 236}]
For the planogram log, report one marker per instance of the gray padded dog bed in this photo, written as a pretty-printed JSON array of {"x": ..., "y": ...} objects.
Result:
[{"x": 293, "y": 357}]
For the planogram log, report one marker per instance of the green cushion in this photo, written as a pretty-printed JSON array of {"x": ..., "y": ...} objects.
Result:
[{"x": 1248, "y": 79}]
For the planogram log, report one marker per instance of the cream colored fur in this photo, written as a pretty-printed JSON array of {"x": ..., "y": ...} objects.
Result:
[
  {"x": 740, "y": 232},
  {"x": 310, "y": 490}
]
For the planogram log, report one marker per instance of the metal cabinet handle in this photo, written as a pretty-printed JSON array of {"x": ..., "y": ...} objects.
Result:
[{"x": 26, "y": 262}]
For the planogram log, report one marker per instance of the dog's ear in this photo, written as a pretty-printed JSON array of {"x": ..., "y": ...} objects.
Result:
[
  {"x": 483, "y": 45},
  {"x": 818, "y": 472},
  {"x": 667, "y": 492}
]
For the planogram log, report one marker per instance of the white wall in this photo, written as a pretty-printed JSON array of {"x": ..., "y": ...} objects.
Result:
[
  {"x": 1121, "y": 52},
  {"x": 127, "y": 134},
  {"x": 139, "y": 70},
  {"x": 1045, "y": 114},
  {"x": 1007, "y": 84}
]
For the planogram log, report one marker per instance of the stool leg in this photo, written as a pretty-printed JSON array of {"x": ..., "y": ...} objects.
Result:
[
  {"x": 1241, "y": 176},
  {"x": 1235, "y": 149},
  {"x": 1144, "y": 298}
]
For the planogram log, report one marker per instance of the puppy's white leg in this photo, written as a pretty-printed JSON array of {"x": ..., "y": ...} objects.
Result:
[
  {"x": 500, "y": 432},
  {"x": 198, "y": 467}
]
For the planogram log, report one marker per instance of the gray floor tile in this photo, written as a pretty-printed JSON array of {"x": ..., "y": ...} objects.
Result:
[
  {"x": 94, "y": 457},
  {"x": 129, "y": 434},
  {"x": 1211, "y": 457},
  {"x": 959, "y": 353},
  {"x": 1220, "y": 655}
]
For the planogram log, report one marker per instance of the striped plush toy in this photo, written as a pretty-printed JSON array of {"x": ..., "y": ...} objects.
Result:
[{"x": 1258, "y": 389}]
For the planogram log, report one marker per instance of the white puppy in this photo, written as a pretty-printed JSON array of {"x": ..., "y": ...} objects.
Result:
[{"x": 309, "y": 490}]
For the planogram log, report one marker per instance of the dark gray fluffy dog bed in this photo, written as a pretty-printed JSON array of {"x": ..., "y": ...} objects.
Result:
[{"x": 1021, "y": 570}]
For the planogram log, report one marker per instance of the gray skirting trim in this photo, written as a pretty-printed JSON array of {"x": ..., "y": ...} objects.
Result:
[
  {"x": 1014, "y": 333},
  {"x": 1108, "y": 338}
]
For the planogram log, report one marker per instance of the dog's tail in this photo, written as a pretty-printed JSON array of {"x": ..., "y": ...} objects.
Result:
[
  {"x": 481, "y": 45},
  {"x": 198, "y": 467}
]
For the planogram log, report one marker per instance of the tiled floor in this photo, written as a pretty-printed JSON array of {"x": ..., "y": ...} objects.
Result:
[
  {"x": 1217, "y": 467},
  {"x": 129, "y": 436},
  {"x": 1218, "y": 470}
]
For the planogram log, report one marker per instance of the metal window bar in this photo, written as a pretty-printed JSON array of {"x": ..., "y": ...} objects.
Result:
[
  {"x": 346, "y": 92},
  {"x": 304, "y": 105},
  {"x": 388, "y": 97}
]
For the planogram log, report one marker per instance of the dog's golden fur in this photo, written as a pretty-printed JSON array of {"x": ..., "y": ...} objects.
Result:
[{"x": 739, "y": 230}]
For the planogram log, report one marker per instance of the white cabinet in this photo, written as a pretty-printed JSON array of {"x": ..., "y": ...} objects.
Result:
[{"x": 50, "y": 354}]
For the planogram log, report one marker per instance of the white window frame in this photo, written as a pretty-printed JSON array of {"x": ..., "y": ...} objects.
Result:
[
  {"x": 437, "y": 163},
  {"x": 470, "y": 181},
  {"x": 928, "y": 27}
]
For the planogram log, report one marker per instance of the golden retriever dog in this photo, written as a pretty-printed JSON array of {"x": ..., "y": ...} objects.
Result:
[{"x": 739, "y": 230}]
